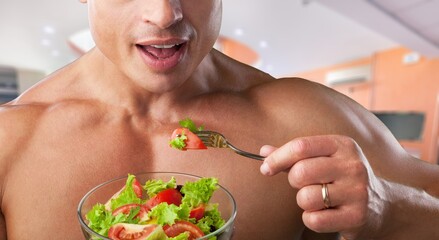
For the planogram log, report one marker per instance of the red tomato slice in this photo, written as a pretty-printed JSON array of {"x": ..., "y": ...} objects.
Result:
[
  {"x": 171, "y": 196},
  {"x": 192, "y": 141},
  {"x": 183, "y": 226},
  {"x": 197, "y": 212},
  {"x": 137, "y": 187},
  {"x": 125, "y": 231},
  {"x": 125, "y": 209}
]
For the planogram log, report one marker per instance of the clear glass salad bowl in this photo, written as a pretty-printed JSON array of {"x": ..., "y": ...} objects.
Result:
[{"x": 104, "y": 191}]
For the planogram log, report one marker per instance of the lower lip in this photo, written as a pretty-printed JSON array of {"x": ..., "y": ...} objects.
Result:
[{"x": 162, "y": 64}]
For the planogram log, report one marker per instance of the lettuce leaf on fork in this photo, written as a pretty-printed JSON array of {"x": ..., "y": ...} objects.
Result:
[{"x": 189, "y": 124}]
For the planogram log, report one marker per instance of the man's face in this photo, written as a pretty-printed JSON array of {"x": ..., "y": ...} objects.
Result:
[{"x": 156, "y": 43}]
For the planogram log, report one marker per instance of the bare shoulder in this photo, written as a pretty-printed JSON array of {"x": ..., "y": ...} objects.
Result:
[
  {"x": 300, "y": 102},
  {"x": 20, "y": 122},
  {"x": 303, "y": 108},
  {"x": 16, "y": 122}
]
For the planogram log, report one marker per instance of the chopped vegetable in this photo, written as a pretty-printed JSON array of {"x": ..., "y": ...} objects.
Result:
[
  {"x": 185, "y": 138},
  {"x": 189, "y": 124},
  {"x": 168, "y": 212}
]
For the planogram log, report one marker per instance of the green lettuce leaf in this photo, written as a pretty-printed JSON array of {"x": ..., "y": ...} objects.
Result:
[
  {"x": 127, "y": 196},
  {"x": 212, "y": 219},
  {"x": 198, "y": 192},
  {"x": 154, "y": 186},
  {"x": 189, "y": 124},
  {"x": 179, "y": 142},
  {"x": 100, "y": 220},
  {"x": 181, "y": 236},
  {"x": 165, "y": 213}
]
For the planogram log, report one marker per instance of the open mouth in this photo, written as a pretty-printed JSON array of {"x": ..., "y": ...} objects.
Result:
[{"x": 161, "y": 52}]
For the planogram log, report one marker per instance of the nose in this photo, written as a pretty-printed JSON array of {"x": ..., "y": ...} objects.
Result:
[{"x": 162, "y": 13}]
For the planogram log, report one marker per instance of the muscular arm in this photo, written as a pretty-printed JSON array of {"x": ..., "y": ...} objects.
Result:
[
  {"x": 406, "y": 186},
  {"x": 3, "y": 169},
  {"x": 410, "y": 213},
  {"x": 15, "y": 127},
  {"x": 402, "y": 187}
]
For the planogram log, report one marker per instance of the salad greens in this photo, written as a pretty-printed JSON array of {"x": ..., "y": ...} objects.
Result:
[
  {"x": 179, "y": 142},
  {"x": 101, "y": 217},
  {"x": 127, "y": 196},
  {"x": 189, "y": 124},
  {"x": 155, "y": 186}
]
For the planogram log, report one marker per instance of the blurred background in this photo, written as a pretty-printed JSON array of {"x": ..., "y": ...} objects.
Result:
[{"x": 384, "y": 54}]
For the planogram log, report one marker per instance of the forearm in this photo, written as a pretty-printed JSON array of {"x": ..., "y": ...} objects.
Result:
[{"x": 409, "y": 213}]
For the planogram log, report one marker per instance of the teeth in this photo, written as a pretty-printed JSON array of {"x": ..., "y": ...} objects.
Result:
[{"x": 164, "y": 46}]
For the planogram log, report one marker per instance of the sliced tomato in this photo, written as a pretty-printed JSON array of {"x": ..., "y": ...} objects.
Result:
[
  {"x": 137, "y": 187},
  {"x": 171, "y": 196},
  {"x": 192, "y": 141},
  {"x": 125, "y": 209},
  {"x": 125, "y": 231},
  {"x": 197, "y": 212},
  {"x": 183, "y": 226}
]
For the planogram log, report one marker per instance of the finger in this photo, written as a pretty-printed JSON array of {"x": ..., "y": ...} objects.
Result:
[
  {"x": 266, "y": 150},
  {"x": 336, "y": 219},
  {"x": 314, "y": 171},
  {"x": 298, "y": 149},
  {"x": 310, "y": 198}
]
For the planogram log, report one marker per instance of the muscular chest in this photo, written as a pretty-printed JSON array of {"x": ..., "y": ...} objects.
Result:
[{"x": 57, "y": 169}]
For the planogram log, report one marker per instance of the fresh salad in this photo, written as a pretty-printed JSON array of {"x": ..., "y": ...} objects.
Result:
[
  {"x": 184, "y": 138},
  {"x": 158, "y": 210}
]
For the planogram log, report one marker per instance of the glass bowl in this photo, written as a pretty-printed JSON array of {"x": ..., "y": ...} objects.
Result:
[{"x": 104, "y": 191}]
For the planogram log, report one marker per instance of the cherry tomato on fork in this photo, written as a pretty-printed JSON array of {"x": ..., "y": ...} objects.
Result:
[{"x": 192, "y": 141}]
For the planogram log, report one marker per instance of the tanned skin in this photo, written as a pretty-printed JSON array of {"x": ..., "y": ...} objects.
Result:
[{"x": 112, "y": 112}]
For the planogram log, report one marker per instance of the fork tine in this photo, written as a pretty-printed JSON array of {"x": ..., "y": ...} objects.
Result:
[
  {"x": 207, "y": 138},
  {"x": 202, "y": 134},
  {"x": 217, "y": 140},
  {"x": 207, "y": 143}
]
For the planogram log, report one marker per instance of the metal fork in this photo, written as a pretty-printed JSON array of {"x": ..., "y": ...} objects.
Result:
[{"x": 217, "y": 140}]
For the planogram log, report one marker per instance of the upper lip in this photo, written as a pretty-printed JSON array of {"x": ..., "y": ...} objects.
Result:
[{"x": 168, "y": 41}]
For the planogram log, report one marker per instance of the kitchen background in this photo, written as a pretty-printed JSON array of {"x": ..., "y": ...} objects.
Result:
[{"x": 382, "y": 53}]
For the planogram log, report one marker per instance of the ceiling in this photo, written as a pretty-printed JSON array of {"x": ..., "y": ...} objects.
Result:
[{"x": 290, "y": 36}]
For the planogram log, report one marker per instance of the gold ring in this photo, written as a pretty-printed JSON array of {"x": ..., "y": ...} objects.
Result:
[{"x": 325, "y": 194}]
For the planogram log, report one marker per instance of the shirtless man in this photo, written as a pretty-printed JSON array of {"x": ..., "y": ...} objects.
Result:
[{"x": 112, "y": 112}]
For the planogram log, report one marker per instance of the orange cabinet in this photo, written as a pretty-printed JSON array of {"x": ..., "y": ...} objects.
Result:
[{"x": 397, "y": 87}]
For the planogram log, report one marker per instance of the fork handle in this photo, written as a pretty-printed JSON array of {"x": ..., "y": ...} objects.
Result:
[
  {"x": 250, "y": 155},
  {"x": 244, "y": 153}
]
